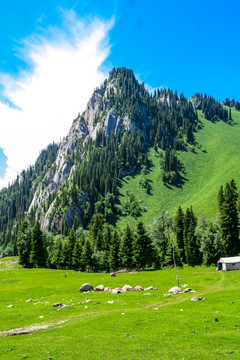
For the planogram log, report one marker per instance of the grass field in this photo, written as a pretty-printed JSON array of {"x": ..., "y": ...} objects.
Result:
[
  {"x": 214, "y": 162},
  {"x": 136, "y": 325}
]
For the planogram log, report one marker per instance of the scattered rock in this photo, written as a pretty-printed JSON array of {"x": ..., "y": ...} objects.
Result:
[
  {"x": 10, "y": 306},
  {"x": 113, "y": 274},
  {"x": 85, "y": 307},
  {"x": 116, "y": 291},
  {"x": 107, "y": 289},
  {"x": 185, "y": 285},
  {"x": 29, "y": 300},
  {"x": 174, "y": 290},
  {"x": 149, "y": 288},
  {"x": 110, "y": 302},
  {"x": 138, "y": 288},
  {"x": 196, "y": 298},
  {"x": 127, "y": 288},
  {"x": 58, "y": 304},
  {"x": 186, "y": 290},
  {"x": 167, "y": 295},
  {"x": 99, "y": 288},
  {"x": 86, "y": 287},
  {"x": 147, "y": 294},
  {"x": 41, "y": 317},
  {"x": 88, "y": 301}
]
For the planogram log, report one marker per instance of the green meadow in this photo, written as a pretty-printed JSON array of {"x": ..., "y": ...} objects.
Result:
[
  {"x": 131, "y": 325},
  {"x": 206, "y": 166}
]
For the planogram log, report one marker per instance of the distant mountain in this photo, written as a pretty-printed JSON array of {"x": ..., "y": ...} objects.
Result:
[{"x": 107, "y": 142}]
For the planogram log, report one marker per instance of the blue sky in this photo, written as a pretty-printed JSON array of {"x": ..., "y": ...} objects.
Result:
[{"x": 48, "y": 45}]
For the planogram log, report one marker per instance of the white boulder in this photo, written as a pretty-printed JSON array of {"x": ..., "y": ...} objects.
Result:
[
  {"x": 127, "y": 288},
  {"x": 99, "y": 288},
  {"x": 86, "y": 287},
  {"x": 174, "y": 290}
]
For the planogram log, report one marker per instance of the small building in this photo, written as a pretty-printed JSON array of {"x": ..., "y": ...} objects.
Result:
[{"x": 229, "y": 263}]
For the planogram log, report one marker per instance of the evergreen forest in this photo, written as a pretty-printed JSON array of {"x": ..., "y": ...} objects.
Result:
[{"x": 71, "y": 223}]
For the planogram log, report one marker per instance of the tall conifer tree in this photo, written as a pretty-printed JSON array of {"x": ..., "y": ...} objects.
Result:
[
  {"x": 143, "y": 249},
  {"x": 38, "y": 250},
  {"x": 229, "y": 221},
  {"x": 179, "y": 228},
  {"x": 126, "y": 249}
]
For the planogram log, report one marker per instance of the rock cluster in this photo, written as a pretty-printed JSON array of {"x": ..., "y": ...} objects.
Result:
[{"x": 88, "y": 287}]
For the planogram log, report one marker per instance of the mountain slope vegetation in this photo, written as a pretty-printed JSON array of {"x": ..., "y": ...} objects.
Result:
[
  {"x": 205, "y": 167},
  {"x": 130, "y": 154}
]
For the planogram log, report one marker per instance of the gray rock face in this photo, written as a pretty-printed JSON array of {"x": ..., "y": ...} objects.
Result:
[
  {"x": 86, "y": 287},
  {"x": 85, "y": 126}
]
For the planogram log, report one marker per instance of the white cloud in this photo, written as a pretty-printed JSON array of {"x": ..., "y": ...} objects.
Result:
[{"x": 65, "y": 68}]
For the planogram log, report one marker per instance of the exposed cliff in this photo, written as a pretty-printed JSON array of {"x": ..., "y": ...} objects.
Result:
[{"x": 100, "y": 115}]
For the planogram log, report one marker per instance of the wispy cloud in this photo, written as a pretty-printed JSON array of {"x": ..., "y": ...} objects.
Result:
[{"x": 64, "y": 68}]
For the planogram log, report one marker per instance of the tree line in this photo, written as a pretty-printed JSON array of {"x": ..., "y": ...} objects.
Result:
[{"x": 183, "y": 239}]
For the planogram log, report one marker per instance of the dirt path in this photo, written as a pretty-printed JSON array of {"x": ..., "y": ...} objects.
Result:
[{"x": 29, "y": 329}]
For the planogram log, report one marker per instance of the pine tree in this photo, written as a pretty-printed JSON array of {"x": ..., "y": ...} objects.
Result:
[
  {"x": 229, "y": 221},
  {"x": 24, "y": 244},
  {"x": 126, "y": 249},
  {"x": 66, "y": 256},
  {"x": 77, "y": 256},
  {"x": 230, "y": 116},
  {"x": 161, "y": 231},
  {"x": 87, "y": 256},
  {"x": 106, "y": 237},
  {"x": 96, "y": 230},
  {"x": 179, "y": 226},
  {"x": 114, "y": 252},
  {"x": 71, "y": 244},
  {"x": 143, "y": 252},
  {"x": 56, "y": 258},
  {"x": 38, "y": 250},
  {"x": 193, "y": 255},
  {"x": 104, "y": 262}
]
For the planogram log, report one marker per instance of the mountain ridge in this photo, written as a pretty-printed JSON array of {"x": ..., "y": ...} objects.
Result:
[{"x": 123, "y": 119}]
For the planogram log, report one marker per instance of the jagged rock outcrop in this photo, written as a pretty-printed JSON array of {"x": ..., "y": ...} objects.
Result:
[{"x": 85, "y": 126}]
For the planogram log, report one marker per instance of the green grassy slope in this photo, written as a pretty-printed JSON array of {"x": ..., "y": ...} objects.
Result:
[
  {"x": 215, "y": 161},
  {"x": 133, "y": 325}
]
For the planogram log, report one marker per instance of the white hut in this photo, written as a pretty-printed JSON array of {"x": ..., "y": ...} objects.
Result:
[{"x": 229, "y": 263}]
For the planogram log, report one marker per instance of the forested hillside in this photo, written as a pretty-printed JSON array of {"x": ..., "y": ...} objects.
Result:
[{"x": 125, "y": 157}]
